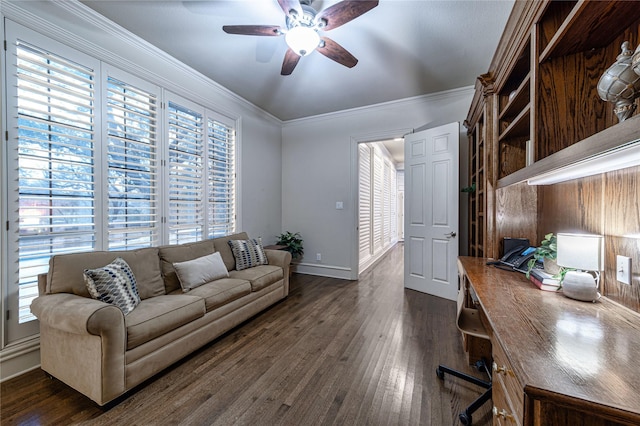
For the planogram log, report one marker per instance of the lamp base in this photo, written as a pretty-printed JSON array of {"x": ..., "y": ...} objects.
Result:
[{"x": 580, "y": 285}]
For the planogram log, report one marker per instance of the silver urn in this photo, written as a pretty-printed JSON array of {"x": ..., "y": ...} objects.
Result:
[{"x": 620, "y": 84}]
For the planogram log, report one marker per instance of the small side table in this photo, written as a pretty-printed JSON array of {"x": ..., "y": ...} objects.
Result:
[{"x": 275, "y": 247}]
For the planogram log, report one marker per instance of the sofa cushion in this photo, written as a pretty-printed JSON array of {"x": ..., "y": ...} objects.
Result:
[
  {"x": 220, "y": 292},
  {"x": 194, "y": 273},
  {"x": 181, "y": 253},
  {"x": 113, "y": 284},
  {"x": 260, "y": 276},
  {"x": 248, "y": 253},
  {"x": 222, "y": 246},
  {"x": 66, "y": 271},
  {"x": 159, "y": 315}
]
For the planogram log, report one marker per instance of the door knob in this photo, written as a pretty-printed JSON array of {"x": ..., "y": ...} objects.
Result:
[{"x": 450, "y": 235}]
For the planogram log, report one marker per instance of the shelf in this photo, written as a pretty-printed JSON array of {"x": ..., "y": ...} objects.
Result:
[
  {"x": 591, "y": 25},
  {"x": 616, "y": 136},
  {"x": 519, "y": 101},
  {"x": 520, "y": 126}
]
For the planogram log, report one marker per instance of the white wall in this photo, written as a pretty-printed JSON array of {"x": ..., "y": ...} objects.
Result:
[
  {"x": 319, "y": 167},
  {"x": 259, "y": 134}
]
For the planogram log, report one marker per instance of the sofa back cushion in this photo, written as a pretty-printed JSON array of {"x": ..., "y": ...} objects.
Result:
[
  {"x": 222, "y": 245},
  {"x": 181, "y": 253},
  {"x": 66, "y": 271}
]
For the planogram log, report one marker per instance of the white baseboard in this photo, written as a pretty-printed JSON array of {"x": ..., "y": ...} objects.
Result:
[
  {"x": 19, "y": 358},
  {"x": 322, "y": 270}
]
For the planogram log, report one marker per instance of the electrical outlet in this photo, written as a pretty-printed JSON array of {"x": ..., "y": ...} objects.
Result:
[
  {"x": 318, "y": 257},
  {"x": 623, "y": 269}
]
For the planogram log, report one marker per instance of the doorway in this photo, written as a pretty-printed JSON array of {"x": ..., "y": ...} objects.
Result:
[{"x": 380, "y": 187}]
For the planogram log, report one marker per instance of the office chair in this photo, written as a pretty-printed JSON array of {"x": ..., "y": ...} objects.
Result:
[{"x": 468, "y": 322}]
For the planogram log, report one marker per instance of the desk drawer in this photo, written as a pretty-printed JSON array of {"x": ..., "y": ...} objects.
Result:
[
  {"x": 503, "y": 375},
  {"x": 503, "y": 413}
]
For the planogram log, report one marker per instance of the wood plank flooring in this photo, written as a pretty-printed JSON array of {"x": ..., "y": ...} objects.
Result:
[{"x": 335, "y": 352}]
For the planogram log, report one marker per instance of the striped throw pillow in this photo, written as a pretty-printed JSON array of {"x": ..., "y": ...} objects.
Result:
[{"x": 248, "y": 253}]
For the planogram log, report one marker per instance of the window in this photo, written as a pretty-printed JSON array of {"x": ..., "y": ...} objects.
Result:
[
  {"x": 222, "y": 179},
  {"x": 186, "y": 171},
  {"x": 132, "y": 161},
  {"x": 96, "y": 164},
  {"x": 55, "y": 163}
]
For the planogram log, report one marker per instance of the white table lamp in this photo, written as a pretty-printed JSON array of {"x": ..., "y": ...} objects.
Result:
[{"x": 582, "y": 252}]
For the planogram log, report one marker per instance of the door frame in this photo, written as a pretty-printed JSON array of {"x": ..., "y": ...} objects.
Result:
[{"x": 354, "y": 192}]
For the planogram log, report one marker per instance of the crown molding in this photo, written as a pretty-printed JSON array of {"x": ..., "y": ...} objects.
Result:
[{"x": 14, "y": 11}]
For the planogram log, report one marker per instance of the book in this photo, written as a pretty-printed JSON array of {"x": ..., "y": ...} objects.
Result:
[
  {"x": 544, "y": 281},
  {"x": 542, "y": 286}
]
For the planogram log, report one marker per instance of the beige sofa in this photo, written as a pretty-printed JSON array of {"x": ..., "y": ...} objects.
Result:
[{"x": 97, "y": 350}]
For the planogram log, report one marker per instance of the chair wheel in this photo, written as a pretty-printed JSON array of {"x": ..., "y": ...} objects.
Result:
[
  {"x": 440, "y": 373},
  {"x": 480, "y": 365},
  {"x": 465, "y": 419}
]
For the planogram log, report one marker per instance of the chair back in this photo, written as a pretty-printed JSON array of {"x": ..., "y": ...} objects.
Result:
[{"x": 468, "y": 319}]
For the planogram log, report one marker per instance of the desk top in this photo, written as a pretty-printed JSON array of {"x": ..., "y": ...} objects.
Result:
[{"x": 556, "y": 345}]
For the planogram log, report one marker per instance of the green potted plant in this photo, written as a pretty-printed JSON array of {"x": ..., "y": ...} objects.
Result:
[
  {"x": 547, "y": 252},
  {"x": 293, "y": 241}
]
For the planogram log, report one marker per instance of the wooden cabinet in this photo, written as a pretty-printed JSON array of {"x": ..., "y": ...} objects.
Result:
[
  {"x": 537, "y": 109},
  {"x": 480, "y": 127}
]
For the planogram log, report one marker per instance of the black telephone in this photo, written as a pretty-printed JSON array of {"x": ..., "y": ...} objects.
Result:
[{"x": 518, "y": 258}]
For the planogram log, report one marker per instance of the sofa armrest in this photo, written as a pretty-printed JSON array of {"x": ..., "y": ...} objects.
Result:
[
  {"x": 79, "y": 315},
  {"x": 280, "y": 258},
  {"x": 83, "y": 343}
]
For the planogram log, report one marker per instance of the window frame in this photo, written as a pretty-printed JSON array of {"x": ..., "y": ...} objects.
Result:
[{"x": 13, "y": 332}]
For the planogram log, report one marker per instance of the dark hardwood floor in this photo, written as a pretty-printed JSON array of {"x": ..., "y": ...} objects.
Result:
[{"x": 334, "y": 352}]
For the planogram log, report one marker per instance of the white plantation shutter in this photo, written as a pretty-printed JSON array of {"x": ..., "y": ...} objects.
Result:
[
  {"x": 387, "y": 202},
  {"x": 364, "y": 209},
  {"x": 131, "y": 125},
  {"x": 394, "y": 204},
  {"x": 221, "y": 179},
  {"x": 378, "y": 202},
  {"x": 53, "y": 189},
  {"x": 186, "y": 219}
]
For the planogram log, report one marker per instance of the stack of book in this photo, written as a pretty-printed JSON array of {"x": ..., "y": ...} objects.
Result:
[{"x": 544, "y": 281}]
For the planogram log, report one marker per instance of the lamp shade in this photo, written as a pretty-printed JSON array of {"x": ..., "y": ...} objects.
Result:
[{"x": 581, "y": 251}]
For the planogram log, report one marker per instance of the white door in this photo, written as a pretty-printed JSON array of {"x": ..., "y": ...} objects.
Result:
[{"x": 431, "y": 211}]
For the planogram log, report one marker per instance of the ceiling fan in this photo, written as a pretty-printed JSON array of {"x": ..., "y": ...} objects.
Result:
[{"x": 303, "y": 26}]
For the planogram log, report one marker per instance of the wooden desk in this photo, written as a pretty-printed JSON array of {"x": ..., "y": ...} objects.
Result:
[{"x": 558, "y": 361}]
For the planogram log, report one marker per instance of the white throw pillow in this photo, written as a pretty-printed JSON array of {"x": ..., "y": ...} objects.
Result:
[{"x": 194, "y": 273}]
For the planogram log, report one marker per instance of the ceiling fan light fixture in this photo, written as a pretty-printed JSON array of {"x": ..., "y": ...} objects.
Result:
[{"x": 302, "y": 40}]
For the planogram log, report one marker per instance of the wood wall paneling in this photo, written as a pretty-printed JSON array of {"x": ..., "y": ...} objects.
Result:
[
  {"x": 622, "y": 233},
  {"x": 516, "y": 212},
  {"x": 567, "y": 89},
  {"x": 573, "y": 206}
]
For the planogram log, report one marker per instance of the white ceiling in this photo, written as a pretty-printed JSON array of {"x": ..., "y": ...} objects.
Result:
[{"x": 405, "y": 48}]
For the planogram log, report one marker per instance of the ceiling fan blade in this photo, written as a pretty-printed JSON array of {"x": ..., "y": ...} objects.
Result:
[
  {"x": 259, "y": 30},
  {"x": 333, "y": 50},
  {"x": 291, "y": 59},
  {"x": 288, "y": 5},
  {"x": 345, "y": 11}
]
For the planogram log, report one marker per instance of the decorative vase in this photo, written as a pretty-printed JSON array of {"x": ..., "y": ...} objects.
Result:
[
  {"x": 550, "y": 266},
  {"x": 620, "y": 84}
]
